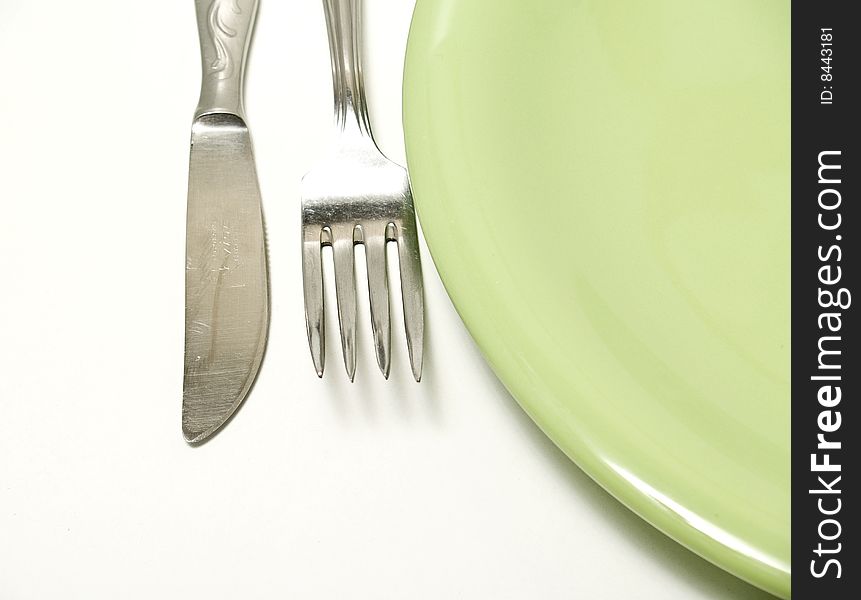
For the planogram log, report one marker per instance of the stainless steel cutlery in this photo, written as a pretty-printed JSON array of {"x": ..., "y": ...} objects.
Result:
[
  {"x": 226, "y": 289},
  {"x": 357, "y": 196}
]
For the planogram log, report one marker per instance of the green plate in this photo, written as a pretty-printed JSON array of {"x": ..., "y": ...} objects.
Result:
[{"x": 604, "y": 187}]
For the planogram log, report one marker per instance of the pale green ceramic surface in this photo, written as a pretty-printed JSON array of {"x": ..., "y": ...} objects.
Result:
[{"x": 604, "y": 186}]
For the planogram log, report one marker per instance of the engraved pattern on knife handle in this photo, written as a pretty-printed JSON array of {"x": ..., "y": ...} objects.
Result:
[
  {"x": 225, "y": 28},
  {"x": 220, "y": 32}
]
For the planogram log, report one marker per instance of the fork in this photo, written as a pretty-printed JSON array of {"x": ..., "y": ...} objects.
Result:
[{"x": 358, "y": 196}]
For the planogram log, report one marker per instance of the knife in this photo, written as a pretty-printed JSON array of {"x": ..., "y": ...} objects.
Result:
[{"x": 226, "y": 288}]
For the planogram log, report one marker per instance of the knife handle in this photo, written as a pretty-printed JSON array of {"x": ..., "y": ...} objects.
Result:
[{"x": 225, "y": 28}]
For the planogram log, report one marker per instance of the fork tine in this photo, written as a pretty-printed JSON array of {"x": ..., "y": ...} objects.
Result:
[
  {"x": 378, "y": 291},
  {"x": 412, "y": 292},
  {"x": 345, "y": 290},
  {"x": 312, "y": 278}
]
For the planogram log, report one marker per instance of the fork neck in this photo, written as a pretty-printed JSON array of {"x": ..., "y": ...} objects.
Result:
[{"x": 344, "y": 24}]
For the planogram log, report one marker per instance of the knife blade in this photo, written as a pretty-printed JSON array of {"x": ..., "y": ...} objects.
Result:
[{"x": 226, "y": 287}]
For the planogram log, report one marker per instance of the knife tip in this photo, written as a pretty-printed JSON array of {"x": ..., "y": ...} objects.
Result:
[{"x": 194, "y": 437}]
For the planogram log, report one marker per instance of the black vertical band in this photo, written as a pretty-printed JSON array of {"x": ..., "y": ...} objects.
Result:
[{"x": 826, "y": 366}]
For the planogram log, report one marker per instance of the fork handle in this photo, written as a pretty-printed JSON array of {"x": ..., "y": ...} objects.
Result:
[
  {"x": 344, "y": 24},
  {"x": 225, "y": 28}
]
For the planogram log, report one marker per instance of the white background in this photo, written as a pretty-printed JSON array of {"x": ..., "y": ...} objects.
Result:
[{"x": 317, "y": 489}]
